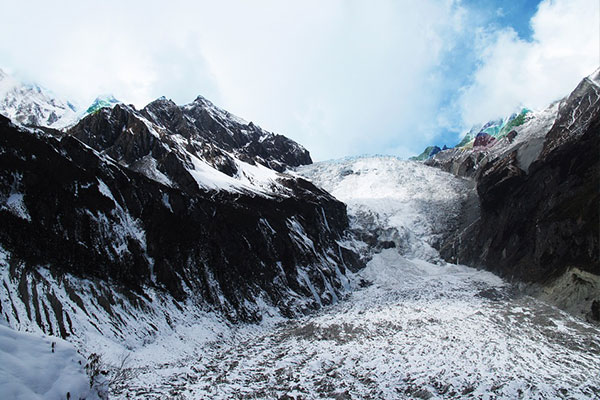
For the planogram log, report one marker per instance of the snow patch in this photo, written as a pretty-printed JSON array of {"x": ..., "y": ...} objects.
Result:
[
  {"x": 41, "y": 367},
  {"x": 16, "y": 206}
]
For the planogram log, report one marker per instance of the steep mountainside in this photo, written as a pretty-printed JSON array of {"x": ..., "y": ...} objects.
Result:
[
  {"x": 165, "y": 141},
  {"x": 537, "y": 216},
  {"x": 133, "y": 222},
  {"x": 29, "y": 104}
]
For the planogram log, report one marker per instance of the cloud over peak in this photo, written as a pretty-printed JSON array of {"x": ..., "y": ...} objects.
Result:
[{"x": 516, "y": 72}]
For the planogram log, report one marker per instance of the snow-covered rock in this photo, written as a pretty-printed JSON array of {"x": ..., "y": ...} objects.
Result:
[{"x": 197, "y": 145}]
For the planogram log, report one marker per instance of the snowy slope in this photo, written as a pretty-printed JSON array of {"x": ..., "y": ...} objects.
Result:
[
  {"x": 40, "y": 367},
  {"x": 30, "y": 104}
]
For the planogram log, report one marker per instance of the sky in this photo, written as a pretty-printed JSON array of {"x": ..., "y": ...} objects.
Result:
[{"x": 341, "y": 77}]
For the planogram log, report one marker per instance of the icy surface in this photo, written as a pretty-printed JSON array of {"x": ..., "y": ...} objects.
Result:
[
  {"x": 414, "y": 327},
  {"x": 40, "y": 367}
]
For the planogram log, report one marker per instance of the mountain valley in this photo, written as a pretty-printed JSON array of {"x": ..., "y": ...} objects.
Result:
[{"x": 198, "y": 255}]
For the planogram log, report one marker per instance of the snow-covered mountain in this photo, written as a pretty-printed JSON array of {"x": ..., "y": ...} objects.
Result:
[
  {"x": 30, "y": 104},
  {"x": 134, "y": 223},
  {"x": 412, "y": 327},
  {"x": 157, "y": 233},
  {"x": 535, "y": 215},
  {"x": 195, "y": 145}
]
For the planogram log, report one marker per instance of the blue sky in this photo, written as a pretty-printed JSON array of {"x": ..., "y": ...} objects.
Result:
[
  {"x": 342, "y": 77},
  {"x": 514, "y": 13},
  {"x": 460, "y": 64}
]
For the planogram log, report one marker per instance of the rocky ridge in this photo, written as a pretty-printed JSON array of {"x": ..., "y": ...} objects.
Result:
[
  {"x": 534, "y": 216},
  {"x": 132, "y": 222}
]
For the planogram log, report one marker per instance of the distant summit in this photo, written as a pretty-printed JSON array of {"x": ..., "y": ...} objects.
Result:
[
  {"x": 483, "y": 136},
  {"x": 31, "y": 104},
  {"x": 102, "y": 102}
]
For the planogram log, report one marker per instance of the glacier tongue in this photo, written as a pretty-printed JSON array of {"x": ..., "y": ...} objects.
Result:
[
  {"x": 415, "y": 327},
  {"x": 398, "y": 203}
]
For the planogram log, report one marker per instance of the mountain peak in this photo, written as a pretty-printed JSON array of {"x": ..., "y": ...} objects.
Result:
[
  {"x": 594, "y": 77},
  {"x": 106, "y": 100},
  {"x": 202, "y": 99},
  {"x": 162, "y": 100},
  {"x": 31, "y": 104}
]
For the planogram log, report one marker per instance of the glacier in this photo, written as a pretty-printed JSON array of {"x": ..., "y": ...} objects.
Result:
[{"x": 413, "y": 326}]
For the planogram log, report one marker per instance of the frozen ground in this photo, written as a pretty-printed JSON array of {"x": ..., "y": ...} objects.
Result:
[{"x": 415, "y": 327}]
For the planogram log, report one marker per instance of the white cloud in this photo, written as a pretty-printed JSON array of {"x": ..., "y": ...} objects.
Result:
[
  {"x": 514, "y": 72},
  {"x": 341, "y": 77}
]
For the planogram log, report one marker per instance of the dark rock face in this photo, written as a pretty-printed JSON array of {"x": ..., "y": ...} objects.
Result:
[
  {"x": 66, "y": 206},
  {"x": 164, "y": 132},
  {"x": 537, "y": 223}
]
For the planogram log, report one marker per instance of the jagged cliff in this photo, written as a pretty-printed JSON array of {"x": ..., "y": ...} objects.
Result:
[{"x": 133, "y": 219}]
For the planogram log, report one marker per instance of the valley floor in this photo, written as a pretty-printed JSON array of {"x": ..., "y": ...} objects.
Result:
[
  {"x": 414, "y": 327},
  {"x": 418, "y": 331}
]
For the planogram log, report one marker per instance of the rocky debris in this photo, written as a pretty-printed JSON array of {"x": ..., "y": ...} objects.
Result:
[{"x": 419, "y": 331}]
